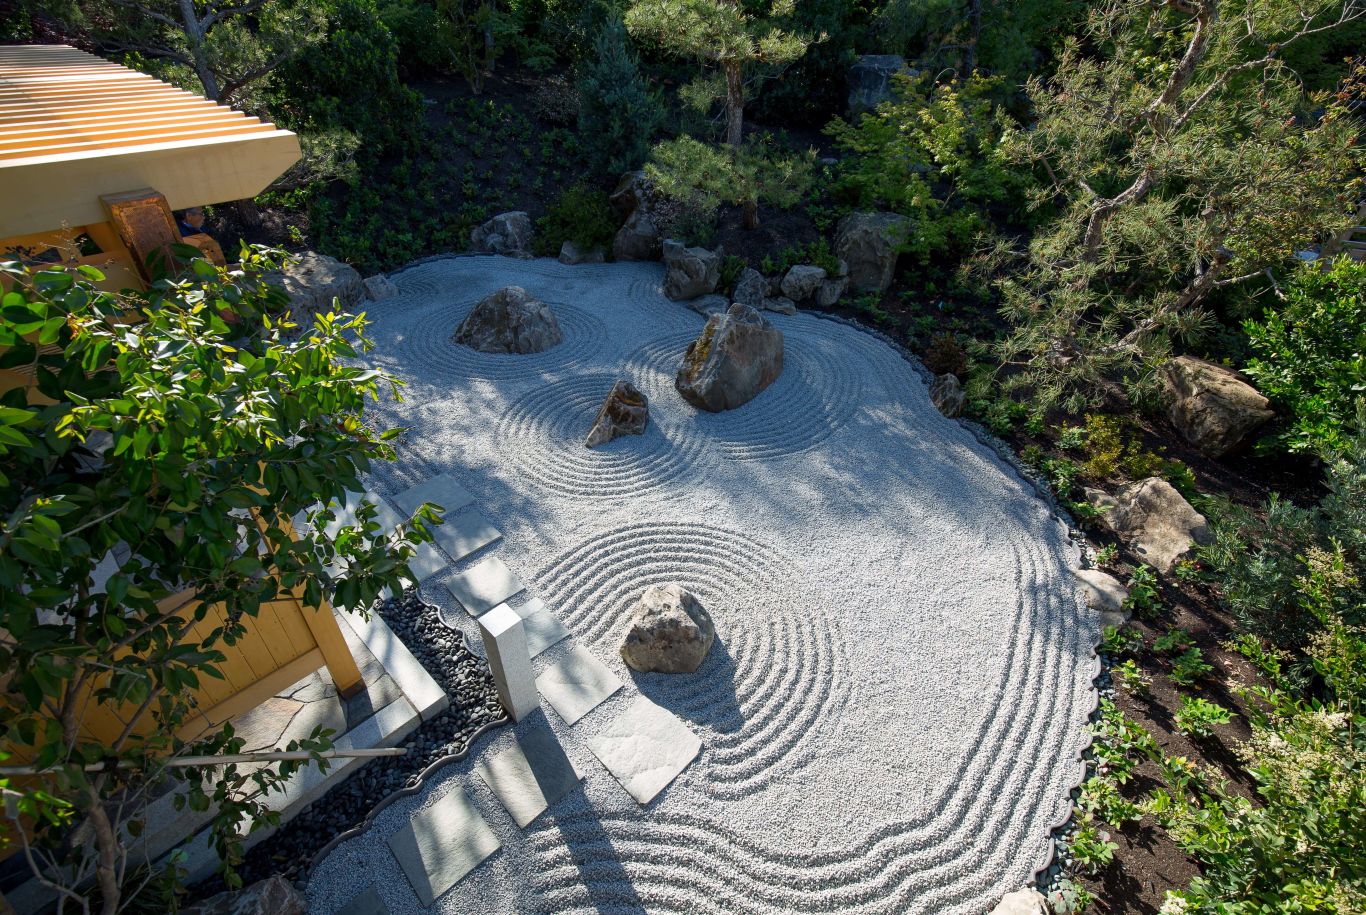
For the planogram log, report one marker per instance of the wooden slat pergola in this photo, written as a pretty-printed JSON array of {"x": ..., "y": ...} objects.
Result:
[{"x": 84, "y": 141}]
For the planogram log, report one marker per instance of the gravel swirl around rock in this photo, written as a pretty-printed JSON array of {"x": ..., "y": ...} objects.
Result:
[{"x": 893, "y": 711}]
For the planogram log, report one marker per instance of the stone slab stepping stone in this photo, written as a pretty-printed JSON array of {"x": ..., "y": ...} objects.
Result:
[
  {"x": 484, "y": 586},
  {"x": 531, "y": 775},
  {"x": 443, "y": 489},
  {"x": 542, "y": 627},
  {"x": 645, "y": 747},
  {"x": 442, "y": 844},
  {"x": 427, "y": 561},
  {"x": 463, "y": 535},
  {"x": 577, "y": 684},
  {"x": 367, "y": 902}
]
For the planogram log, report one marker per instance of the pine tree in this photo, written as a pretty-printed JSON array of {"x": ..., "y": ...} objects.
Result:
[{"x": 617, "y": 111}]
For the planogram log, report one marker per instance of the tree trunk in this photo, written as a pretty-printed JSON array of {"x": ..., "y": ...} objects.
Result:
[
  {"x": 195, "y": 36},
  {"x": 735, "y": 104},
  {"x": 106, "y": 856},
  {"x": 751, "y": 214},
  {"x": 970, "y": 56},
  {"x": 490, "y": 51}
]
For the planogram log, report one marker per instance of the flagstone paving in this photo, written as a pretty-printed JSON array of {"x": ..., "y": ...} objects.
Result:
[
  {"x": 645, "y": 748},
  {"x": 531, "y": 775},
  {"x": 484, "y": 586},
  {"x": 442, "y": 844},
  {"x": 577, "y": 684},
  {"x": 543, "y": 628},
  {"x": 443, "y": 490},
  {"x": 464, "y": 534}
]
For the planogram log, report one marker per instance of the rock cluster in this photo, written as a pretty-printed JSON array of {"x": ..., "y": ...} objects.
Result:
[
  {"x": 689, "y": 272},
  {"x": 317, "y": 284},
  {"x": 626, "y": 411},
  {"x": 1211, "y": 406},
  {"x": 869, "y": 243},
  {"x": 507, "y": 233},
  {"x": 670, "y": 632},
  {"x": 737, "y": 356},
  {"x": 1150, "y": 514},
  {"x": 509, "y": 321}
]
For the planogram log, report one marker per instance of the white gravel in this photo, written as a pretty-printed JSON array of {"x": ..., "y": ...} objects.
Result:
[{"x": 892, "y": 713}]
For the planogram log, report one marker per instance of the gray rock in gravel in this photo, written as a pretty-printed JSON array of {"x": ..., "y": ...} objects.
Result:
[
  {"x": 801, "y": 282},
  {"x": 379, "y": 287},
  {"x": 947, "y": 394},
  {"x": 830, "y": 291},
  {"x": 1212, "y": 407},
  {"x": 1026, "y": 901},
  {"x": 689, "y": 272},
  {"x": 626, "y": 411},
  {"x": 869, "y": 243},
  {"x": 737, "y": 356},
  {"x": 708, "y": 305},
  {"x": 571, "y": 253},
  {"x": 780, "y": 304},
  {"x": 751, "y": 289},
  {"x": 509, "y": 321},
  {"x": 670, "y": 631},
  {"x": 1153, "y": 517},
  {"x": 637, "y": 203},
  {"x": 272, "y": 896},
  {"x": 507, "y": 233},
  {"x": 318, "y": 284}
]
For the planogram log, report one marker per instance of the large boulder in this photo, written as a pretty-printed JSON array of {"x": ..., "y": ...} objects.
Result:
[
  {"x": 751, "y": 288},
  {"x": 869, "y": 243},
  {"x": 379, "y": 287},
  {"x": 638, "y": 204},
  {"x": 670, "y": 632},
  {"x": 1211, "y": 406},
  {"x": 507, "y": 233},
  {"x": 801, "y": 282},
  {"x": 870, "y": 80},
  {"x": 272, "y": 896},
  {"x": 318, "y": 284},
  {"x": 689, "y": 272},
  {"x": 626, "y": 411},
  {"x": 830, "y": 291},
  {"x": 947, "y": 393},
  {"x": 737, "y": 356},
  {"x": 571, "y": 253},
  {"x": 1153, "y": 517},
  {"x": 509, "y": 321}
]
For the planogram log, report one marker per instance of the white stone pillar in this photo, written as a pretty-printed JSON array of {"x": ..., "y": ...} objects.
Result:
[{"x": 510, "y": 660}]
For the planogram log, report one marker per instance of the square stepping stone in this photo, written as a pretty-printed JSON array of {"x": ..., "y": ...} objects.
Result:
[
  {"x": 443, "y": 489},
  {"x": 442, "y": 844},
  {"x": 463, "y": 535},
  {"x": 484, "y": 586},
  {"x": 542, "y": 627},
  {"x": 367, "y": 902},
  {"x": 645, "y": 747},
  {"x": 530, "y": 776},
  {"x": 577, "y": 684},
  {"x": 427, "y": 561}
]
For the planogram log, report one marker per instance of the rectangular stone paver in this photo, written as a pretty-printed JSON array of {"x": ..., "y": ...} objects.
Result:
[
  {"x": 577, "y": 684},
  {"x": 543, "y": 628},
  {"x": 442, "y": 844},
  {"x": 531, "y": 775},
  {"x": 462, "y": 535},
  {"x": 645, "y": 747},
  {"x": 443, "y": 489},
  {"x": 427, "y": 561},
  {"x": 484, "y": 586}
]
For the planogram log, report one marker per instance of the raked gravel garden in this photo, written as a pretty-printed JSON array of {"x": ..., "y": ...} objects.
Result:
[{"x": 892, "y": 713}]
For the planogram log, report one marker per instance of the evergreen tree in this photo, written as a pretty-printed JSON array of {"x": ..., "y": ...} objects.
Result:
[{"x": 618, "y": 114}]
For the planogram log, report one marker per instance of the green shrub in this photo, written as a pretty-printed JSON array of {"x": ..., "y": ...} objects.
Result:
[
  {"x": 1190, "y": 666},
  {"x": 931, "y": 153},
  {"x": 1104, "y": 446},
  {"x": 1197, "y": 717},
  {"x": 618, "y": 112},
  {"x": 582, "y": 215},
  {"x": 1311, "y": 354}
]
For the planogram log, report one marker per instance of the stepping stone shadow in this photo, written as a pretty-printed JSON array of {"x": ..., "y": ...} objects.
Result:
[
  {"x": 577, "y": 684},
  {"x": 442, "y": 844},
  {"x": 543, "y": 628},
  {"x": 533, "y": 774}
]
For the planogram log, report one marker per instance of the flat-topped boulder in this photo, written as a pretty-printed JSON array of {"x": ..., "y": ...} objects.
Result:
[
  {"x": 1212, "y": 407},
  {"x": 670, "y": 632},
  {"x": 737, "y": 356},
  {"x": 509, "y": 321}
]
